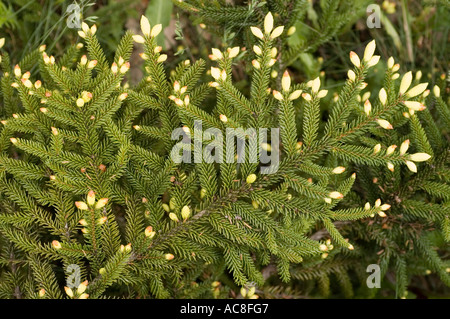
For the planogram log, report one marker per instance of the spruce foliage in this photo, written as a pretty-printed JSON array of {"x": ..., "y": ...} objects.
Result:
[{"x": 87, "y": 179}]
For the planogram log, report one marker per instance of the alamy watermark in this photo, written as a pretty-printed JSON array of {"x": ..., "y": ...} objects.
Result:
[
  {"x": 74, "y": 19},
  {"x": 374, "y": 280},
  {"x": 374, "y": 18},
  {"x": 238, "y": 144},
  {"x": 74, "y": 278}
]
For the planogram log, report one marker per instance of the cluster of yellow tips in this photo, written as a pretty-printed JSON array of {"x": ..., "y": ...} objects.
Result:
[
  {"x": 249, "y": 293},
  {"x": 147, "y": 30},
  {"x": 85, "y": 30},
  {"x": 326, "y": 247},
  {"x": 286, "y": 86},
  {"x": 410, "y": 159},
  {"x": 179, "y": 92},
  {"x": 218, "y": 55},
  {"x": 381, "y": 208},
  {"x": 333, "y": 195},
  {"x": 125, "y": 248},
  {"x": 121, "y": 66},
  {"x": 79, "y": 293},
  {"x": 369, "y": 58},
  {"x": 84, "y": 61},
  {"x": 90, "y": 199},
  {"x": 269, "y": 30},
  {"x": 84, "y": 98}
]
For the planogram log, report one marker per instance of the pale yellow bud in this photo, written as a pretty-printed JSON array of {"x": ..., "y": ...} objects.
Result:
[
  {"x": 404, "y": 147},
  {"x": 123, "y": 96},
  {"x": 223, "y": 118},
  {"x": 162, "y": 58},
  {"x": 223, "y": 75},
  {"x": 277, "y": 95},
  {"x": 419, "y": 157},
  {"x": 215, "y": 73},
  {"x": 84, "y": 296},
  {"x": 185, "y": 212},
  {"x": 69, "y": 292},
  {"x": 27, "y": 83},
  {"x": 268, "y": 23},
  {"x": 365, "y": 96},
  {"x": 93, "y": 29},
  {"x": 327, "y": 200},
  {"x": 169, "y": 256},
  {"x": 274, "y": 52},
  {"x": 81, "y": 205},
  {"x": 336, "y": 195},
  {"x": 257, "y": 50},
  {"x": 367, "y": 107},
  {"x": 83, "y": 222},
  {"x": 42, "y": 292},
  {"x": 390, "y": 63},
  {"x": 351, "y": 75},
  {"x": 417, "y": 90},
  {"x": 145, "y": 25},
  {"x": 80, "y": 102},
  {"x": 125, "y": 67},
  {"x": 354, "y": 58},
  {"x": 415, "y": 106},
  {"x": 101, "y": 203},
  {"x": 217, "y": 54},
  {"x": 373, "y": 61},
  {"x": 295, "y": 95},
  {"x": 257, "y": 32},
  {"x": 315, "y": 85},
  {"x": 156, "y": 30},
  {"x": 385, "y": 207},
  {"x": 307, "y": 96},
  {"x": 114, "y": 68},
  {"x": 166, "y": 207},
  {"x": 383, "y": 96},
  {"x": 277, "y": 32},
  {"x": 378, "y": 202},
  {"x": 367, "y": 206},
  {"x": 17, "y": 71},
  {"x": 339, "y": 170},
  {"x": 173, "y": 217},
  {"x": 286, "y": 81},
  {"x": 437, "y": 91},
  {"x": 138, "y": 39},
  {"x": 291, "y": 30},
  {"x": 56, "y": 244},
  {"x": 390, "y": 166},
  {"x": 391, "y": 149},
  {"x": 251, "y": 178},
  {"x": 256, "y": 64},
  {"x": 82, "y": 287},
  {"x": 406, "y": 82},
  {"x": 369, "y": 51},
  {"x": 149, "y": 232},
  {"x": 233, "y": 52},
  {"x": 385, "y": 124},
  {"x": 2, "y": 42}
]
